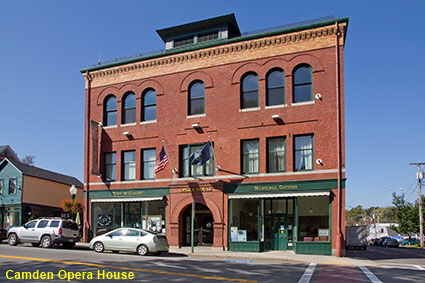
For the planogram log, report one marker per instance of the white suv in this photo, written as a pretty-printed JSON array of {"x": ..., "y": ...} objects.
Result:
[{"x": 46, "y": 232}]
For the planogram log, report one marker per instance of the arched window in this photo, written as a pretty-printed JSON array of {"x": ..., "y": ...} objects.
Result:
[
  {"x": 249, "y": 91},
  {"x": 275, "y": 87},
  {"x": 110, "y": 111},
  {"x": 302, "y": 84},
  {"x": 149, "y": 105},
  {"x": 129, "y": 108},
  {"x": 196, "y": 103}
]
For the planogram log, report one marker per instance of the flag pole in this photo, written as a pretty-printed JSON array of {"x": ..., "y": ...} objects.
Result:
[
  {"x": 217, "y": 167},
  {"x": 174, "y": 170}
]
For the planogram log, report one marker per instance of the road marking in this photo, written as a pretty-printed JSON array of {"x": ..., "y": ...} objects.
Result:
[
  {"x": 308, "y": 273},
  {"x": 167, "y": 265},
  {"x": 242, "y": 271},
  {"x": 239, "y": 260},
  {"x": 206, "y": 269},
  {"x": 404, "y": 265},
  {"x": 370, "y": 275},
  {"x": 129, "y": 268}
]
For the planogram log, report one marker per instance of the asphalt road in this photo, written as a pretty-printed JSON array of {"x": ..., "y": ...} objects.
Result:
[{"x": 82, "y": 265}]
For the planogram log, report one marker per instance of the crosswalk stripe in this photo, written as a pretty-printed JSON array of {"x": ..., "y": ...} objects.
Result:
[
  {"x": 370, "y": 275},
  {"x": 308, "y": 273}
]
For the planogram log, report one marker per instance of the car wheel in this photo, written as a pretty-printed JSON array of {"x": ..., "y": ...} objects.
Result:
[
  {"x": 98, "y": 247},
  {"x": 13, "y": 240},
  {"x": 35, "y": 244},
  {"x": 142, "y": 250},
  {"x": 46, "y": 242}
]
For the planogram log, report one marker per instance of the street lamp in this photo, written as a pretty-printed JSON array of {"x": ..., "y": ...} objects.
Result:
[{"x": 73, "y": 192}]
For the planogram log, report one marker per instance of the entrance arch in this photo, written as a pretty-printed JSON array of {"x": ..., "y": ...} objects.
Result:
[{"x": 203, "y": 226}]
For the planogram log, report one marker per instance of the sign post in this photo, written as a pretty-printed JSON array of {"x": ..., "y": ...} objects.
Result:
[{"x": 192, "y": 226}]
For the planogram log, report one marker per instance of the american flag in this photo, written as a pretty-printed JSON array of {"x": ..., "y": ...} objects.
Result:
[{"x": 162, "y": 161}]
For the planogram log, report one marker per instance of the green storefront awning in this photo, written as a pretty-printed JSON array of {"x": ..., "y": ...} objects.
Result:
[
  {"x": 279, "y": 195},
  {"x": 286, "y": 188},
  {"x": 128, "y": 195},
  {"x": 127, "y": 199}
]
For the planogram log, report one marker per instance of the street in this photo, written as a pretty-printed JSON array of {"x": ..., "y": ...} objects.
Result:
[{"x": 25, "y": 263}]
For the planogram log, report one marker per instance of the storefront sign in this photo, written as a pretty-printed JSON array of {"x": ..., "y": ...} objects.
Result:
[
  {"x": 275, "y": 188},
  {"x": 200, "y": 189},
  {"x": 127, "y": 193},
  {"x": 323, "y": 232},
  {"x": 104, "y": 220}
]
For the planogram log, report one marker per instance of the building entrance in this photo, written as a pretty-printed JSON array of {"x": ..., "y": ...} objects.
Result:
[
  {"x": 203, "y": 231},
  {"x": 279, "y": 224},
  {"x": 280, "y": 231}
]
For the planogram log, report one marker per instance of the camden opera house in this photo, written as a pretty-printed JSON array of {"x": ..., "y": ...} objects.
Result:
[{"x": 246, "y": 127}]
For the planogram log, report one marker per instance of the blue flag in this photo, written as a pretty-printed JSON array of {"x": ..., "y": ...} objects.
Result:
[{"x": 201, "y": 156}]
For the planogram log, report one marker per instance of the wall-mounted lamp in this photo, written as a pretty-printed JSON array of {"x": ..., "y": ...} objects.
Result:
[
  {"x": 127, "y": 134},
  {"x": 278, "y": 119},
  {"x": 318, "y": 96},
  {"x": 319, "y": 161},
  {"x": 196, "y": 126}
]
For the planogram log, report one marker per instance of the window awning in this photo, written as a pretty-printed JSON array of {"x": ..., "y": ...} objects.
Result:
[
  {"x": 291, "y": 194},
  {"x": 126, "y": 199}
]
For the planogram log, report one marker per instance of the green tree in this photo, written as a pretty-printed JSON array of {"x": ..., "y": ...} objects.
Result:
[
  {"x": 364, "y": 216},
  {"x": 407, "y": 215},
  {"x": 356, "y": 216}
]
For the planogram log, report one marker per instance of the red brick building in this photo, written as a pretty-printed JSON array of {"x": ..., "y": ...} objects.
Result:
[{"x": 270, "y": 108}]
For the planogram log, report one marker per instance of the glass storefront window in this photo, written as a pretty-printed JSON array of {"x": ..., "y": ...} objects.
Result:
[
  {"x": 313, "y": 219},
  {"x": 154, "y": 216},
  {"x": 132, "y": 214},
  {"x": 12, "y": 218},
  {"x": 106, "y": 217},
  {"x": 244, "y": 220},
  {"x": 149, "y": 215}
]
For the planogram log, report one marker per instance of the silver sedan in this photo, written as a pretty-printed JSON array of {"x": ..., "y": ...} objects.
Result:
[{"x": 130, "y": 240}]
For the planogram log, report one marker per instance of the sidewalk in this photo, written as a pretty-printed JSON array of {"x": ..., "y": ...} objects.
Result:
[
  {"x": 288, "y": 256},
  {"x": 284, "y": 256}
]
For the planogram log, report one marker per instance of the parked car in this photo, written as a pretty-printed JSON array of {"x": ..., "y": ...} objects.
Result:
[
  {"x": 130, "y": 240},
  {"x": 3, "y": 234},
  {"x": 390, "y": 242},
  {"x": 412, "y": 241},
  {"x": 381, "y": 241},
  {"x": 46, "y": 232}
]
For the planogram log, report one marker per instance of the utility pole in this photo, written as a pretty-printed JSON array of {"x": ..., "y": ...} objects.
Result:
[{"x": 420, "y": 176}]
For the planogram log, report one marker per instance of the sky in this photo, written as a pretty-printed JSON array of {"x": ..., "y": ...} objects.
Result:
[{"x": 45, "y": 43}]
